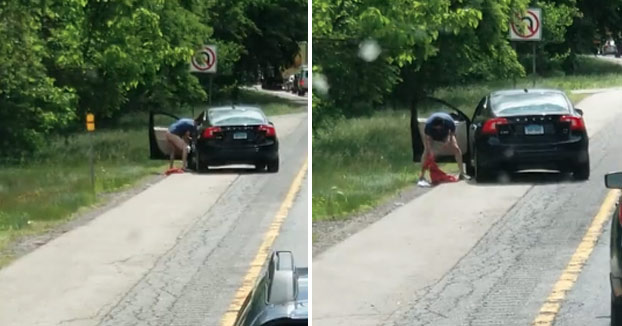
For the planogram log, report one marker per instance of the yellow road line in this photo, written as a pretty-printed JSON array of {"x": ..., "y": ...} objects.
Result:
[
  {"x": 550, "y": 308},
  {"x": 264, "y": 250}
]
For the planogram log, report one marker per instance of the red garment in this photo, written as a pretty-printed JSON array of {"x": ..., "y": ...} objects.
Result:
[
  {"x": 436, "y": 174},
  {"x": 174, "y": 170}
]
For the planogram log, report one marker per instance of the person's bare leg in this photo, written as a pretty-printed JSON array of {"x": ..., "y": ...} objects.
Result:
[
  {"x": 457, "y": 153},
  {"x": 172, "y": 148},
  {"x": 184, "y": 157},
  {"x": 424, "y": 156},
  {"x": 427, "y": 151}
]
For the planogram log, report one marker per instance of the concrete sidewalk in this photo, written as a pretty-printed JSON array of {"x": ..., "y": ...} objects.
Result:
[{"x": 105, "y": 257}]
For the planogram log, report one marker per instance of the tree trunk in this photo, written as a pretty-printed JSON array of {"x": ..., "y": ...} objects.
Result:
[{"x": 417, "y": 143}]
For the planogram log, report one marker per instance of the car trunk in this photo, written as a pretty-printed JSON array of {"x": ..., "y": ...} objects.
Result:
[
  {"x": 239, "y": 136},
  {"x": 533, "y": 129}
]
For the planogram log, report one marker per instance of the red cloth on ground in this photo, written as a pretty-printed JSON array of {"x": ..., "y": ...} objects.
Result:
[
  {"x": 174, "y": 170},
  {"x": 436, "y": 174}
]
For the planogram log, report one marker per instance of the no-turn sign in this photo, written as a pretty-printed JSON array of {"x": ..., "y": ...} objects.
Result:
[
  {"x": 531, "y": 29},
  {"x": 204, "y": 60}
]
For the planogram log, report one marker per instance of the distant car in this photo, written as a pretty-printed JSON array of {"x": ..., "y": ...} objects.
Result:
[
  {"x": 288, "y": 85},
  {"x": 225, "y": 135},
  {"x": 525, "y": 129},
  {"x": 280, "y": 298},
  {"x": 303, "y": 85},
  {"x": 614, "y": 180},
  {"x": 609, "y": 48}
]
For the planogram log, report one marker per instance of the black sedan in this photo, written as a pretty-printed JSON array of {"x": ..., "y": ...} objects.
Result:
[
  {"x": 225, "y": 135},
  {"x": 280, "y": 298},
  {"x": 614, "y": 180},
  {"x": 528, "y": 129},
  {"x": 525, "y": 129}
]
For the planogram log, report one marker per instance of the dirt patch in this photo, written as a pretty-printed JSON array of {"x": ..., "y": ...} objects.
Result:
[{"x": 329, "y": 233}]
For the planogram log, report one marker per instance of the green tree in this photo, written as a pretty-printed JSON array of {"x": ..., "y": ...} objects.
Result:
[{"x": 30, "y": 103}]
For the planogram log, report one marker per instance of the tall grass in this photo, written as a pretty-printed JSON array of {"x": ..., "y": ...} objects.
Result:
[{"x": 358, "y": 163}]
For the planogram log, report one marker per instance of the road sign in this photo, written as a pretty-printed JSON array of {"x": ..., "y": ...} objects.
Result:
[
  {"x": 205, "y": 60},
  {"x": 531, "y": 29},
  {"x": 90, "y": 122}
]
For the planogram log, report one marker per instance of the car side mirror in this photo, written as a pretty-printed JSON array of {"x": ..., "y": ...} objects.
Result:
[
  {"x": 271, "y": 123},
  {"x": 579, "y": 110},
  {"x": 613, "y": 180}
]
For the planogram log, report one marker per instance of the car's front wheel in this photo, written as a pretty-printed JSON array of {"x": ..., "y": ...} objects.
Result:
[
  {"x": 273, "y": 166},
  {"x": 616, "y": 312}
]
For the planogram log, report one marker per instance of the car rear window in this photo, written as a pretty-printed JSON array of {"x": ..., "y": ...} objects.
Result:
[
  {"x": 233, "y": 117},
  {"x": 529, "y": 103}
]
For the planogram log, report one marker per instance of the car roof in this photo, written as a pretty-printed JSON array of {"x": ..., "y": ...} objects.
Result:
[
  {"x": 235, "y": 107},
  {"x": 527, "y": 91}
]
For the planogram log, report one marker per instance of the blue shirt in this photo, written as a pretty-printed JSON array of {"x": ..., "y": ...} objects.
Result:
[
  {"x": 444, "y": 124},
  {"x": 181, "y": 126}
]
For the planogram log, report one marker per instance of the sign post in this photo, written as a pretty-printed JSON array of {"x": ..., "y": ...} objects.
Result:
[
  {"x": 206, "y": 61},
  {"x": 90, "y": 127},
  {"x": 528, "y": 27}
]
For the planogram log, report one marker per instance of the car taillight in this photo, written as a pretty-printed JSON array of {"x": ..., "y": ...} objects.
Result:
[
  {"x": 211, "y": 132},
  {"x": 490, "y": 126},
  {"x": 576, "y": 123},
  {"x": 269, "y": 130}
]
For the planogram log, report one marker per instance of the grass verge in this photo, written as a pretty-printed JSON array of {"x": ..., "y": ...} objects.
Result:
[
  {"x": 358, "y": 163},
  {"x": 55, "y": 183}
]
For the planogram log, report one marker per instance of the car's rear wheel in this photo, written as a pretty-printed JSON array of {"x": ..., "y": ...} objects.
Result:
[
  {"x": 470, "y": 169},
  {"x": 260, "y": 166},
  {"x": 481, "y": 174},
  {"x": 273, "y": 166},
  {"x": 582, "y": 171},
  {"x": 198, "y": 165},
  {"x": 616, "y": 312}
]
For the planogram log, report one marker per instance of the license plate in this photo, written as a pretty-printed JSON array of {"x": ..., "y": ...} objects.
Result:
[
  {"x": 534, "y": 130},
  {"x": 240, "y": 135}
]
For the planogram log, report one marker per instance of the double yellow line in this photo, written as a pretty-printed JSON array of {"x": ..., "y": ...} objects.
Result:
[
  {"x": 550, "y": 308},
  {"x": 264, "y": 250}
]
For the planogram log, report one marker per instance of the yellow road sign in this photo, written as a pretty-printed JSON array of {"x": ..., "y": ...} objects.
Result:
[{"x": 90, "y": 122}]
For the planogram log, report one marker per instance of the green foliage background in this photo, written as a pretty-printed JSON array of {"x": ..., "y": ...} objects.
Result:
[
  {"x": 430, "y": 44},
  {"x": 62, "y": 58}
]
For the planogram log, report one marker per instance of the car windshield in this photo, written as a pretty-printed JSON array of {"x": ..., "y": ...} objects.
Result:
[
  {"x": 529, "y": 103},
  {"x": 238, "y": 116}
]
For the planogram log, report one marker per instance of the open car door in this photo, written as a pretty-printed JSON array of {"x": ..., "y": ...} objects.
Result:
[
  {"x": 430, "y": 105},
  {"x": 159, "y": 148}
]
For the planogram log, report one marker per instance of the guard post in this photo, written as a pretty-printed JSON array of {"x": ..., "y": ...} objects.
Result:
[{"x": 90, "y": 127}]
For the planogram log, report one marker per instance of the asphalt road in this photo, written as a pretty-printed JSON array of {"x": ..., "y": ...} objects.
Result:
[
  {"x": 175, "y": 254},
  {"x": 469, "y": 254},
  {"x": 282, "y": 94}
]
